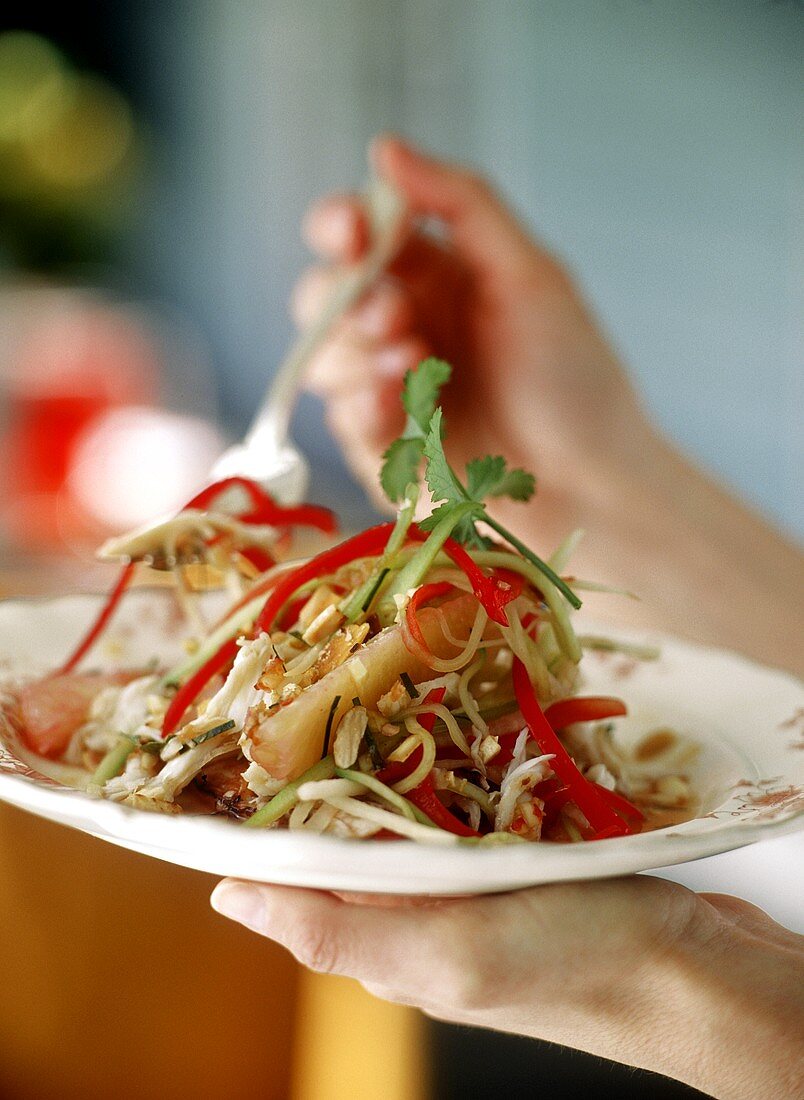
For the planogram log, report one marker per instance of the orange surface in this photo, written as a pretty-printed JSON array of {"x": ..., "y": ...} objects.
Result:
[{"x": 118, "y": 980}]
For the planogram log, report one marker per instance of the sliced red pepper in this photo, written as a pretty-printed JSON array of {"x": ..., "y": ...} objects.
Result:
[
  {"x": 492, "y": 592},
  {"x": 425, "y": 797},
  {"x": 91, "y": 636},
  {"x": 583, "y": 708},
  {"x": 436, "y": 695},
  {"x": 291, "y": 614},
  {"x": 259, "y": 558},
  {"x": 202, "y": 500},
  {"x": 370, "y": 543},
  {"x": 528, "y": 620},
  {"x": 422, "y": 595},
  {"x": 264, "y": 508},
  {"x": 259, "y": 589},
  {"x": 602, "y": 819},
  {"x": 620, "y": 804},
  {"x": 301, "y": 515},
  {"x": 400, "y": 769},
  {"x": 189, "y": 692}
]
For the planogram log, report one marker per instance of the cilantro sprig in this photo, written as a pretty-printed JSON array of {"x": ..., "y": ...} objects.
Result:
[
  {"x": 461, "y": 504},
  {"x": 419, "y": 398}
]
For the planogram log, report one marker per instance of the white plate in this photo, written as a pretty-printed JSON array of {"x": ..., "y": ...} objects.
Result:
[{"x": 749, "y": 721}]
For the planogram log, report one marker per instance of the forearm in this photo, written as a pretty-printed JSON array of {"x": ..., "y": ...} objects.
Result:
[{"x": 702, "y": 564}]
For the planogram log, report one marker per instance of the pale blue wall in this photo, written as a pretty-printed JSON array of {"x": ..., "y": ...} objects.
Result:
[{"x": 655, "y": 145}]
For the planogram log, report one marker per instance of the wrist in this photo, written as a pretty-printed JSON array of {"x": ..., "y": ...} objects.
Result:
[{"x": 728, "y": 1008}]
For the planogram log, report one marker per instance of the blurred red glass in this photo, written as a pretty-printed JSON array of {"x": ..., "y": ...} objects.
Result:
[{"x": 71, "y": 358}]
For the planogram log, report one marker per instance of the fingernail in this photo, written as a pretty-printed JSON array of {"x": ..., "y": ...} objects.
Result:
[
  {"x": 342, "y": 225},
  {"x": 240, "y": 902}
]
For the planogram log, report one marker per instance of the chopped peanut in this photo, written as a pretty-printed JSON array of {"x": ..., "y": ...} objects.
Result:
[
  {"x": 395, "y": 700},
  {"x": 488, "y": 749},
  {"x": 271, "y": 676},
  {"x": 322, "y": 598},
  {"x": 335, "y": 652},
  {"x": 348, "y": 737},
  {"x": 655, "y": 744},
  {"x": 324, "y": 624}
]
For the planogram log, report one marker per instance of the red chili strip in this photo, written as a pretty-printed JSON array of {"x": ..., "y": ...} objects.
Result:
[
  {"x": 583, "y": 708},
  {"x": 400, "y": 769},
  {"x": 492, "y": 592},
  {"x": 427, "y": 721},
  {"x": 290, "y": 616},
  {"x": 422, "y": 595},
  {"x": 301, "y": 515},
  {"x": 189, "y": 692},
  {"x": 264, "y": 508},
  {"x": 203, "y": 499},
  {"x": 91, "y": 636},
  {"x": 603, "y": 820},
  {"x": 425, "y": 797},
  {"x": 259, "y": 589},
  {"x": 368, "y": 543},
  {"x": 259, "y": 558},
  {"x": 620, "y": 804}
]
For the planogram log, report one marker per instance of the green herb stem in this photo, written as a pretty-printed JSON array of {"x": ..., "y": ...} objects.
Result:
[
  {"x": 287, "y": 798},
  {"x": 542, "y": 566},
  {"x": 113, "y": 762},
  {"x": 416, "y": 569},
  {"x": 356, "y": 605}
]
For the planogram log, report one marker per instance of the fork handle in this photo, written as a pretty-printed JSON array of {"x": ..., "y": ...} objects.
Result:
[{"x": 272, "y": 420}]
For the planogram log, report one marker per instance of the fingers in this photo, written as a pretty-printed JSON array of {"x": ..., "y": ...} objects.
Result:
[
  {"x": 337, "y": 228},
  {"x": 326, "y": 934},
  {"x": 385, "y": 313},
  {"x": 750, "y": 918},
  {"x": 483, "y": 227},
  {"x": 347, "y": 364},
  {"x": 485, "y": 232}
]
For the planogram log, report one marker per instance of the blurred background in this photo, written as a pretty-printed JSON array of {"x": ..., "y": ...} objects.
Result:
[{"x": 155, "y": 163}]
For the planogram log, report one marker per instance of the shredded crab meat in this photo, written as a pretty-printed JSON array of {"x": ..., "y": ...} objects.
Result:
[
  {"x": 177, "y": 773},
  {"x": 259, "y": 782},
  {"x": 117, "y": 710},
  {"x": 517, "y": 783},
  {"x": 236, "y": 695}
]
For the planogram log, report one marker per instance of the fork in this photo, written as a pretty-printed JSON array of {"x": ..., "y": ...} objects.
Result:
[{"x": 267, "y": 454}]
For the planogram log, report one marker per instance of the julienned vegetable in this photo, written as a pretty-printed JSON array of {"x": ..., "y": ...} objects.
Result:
[{"x": 414, "y": 680}]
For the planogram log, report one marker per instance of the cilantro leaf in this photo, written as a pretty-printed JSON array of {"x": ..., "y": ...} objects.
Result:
[
  {"x": 401, "y": 466},
  {"x": 420, "y": 392},
  {"x": 460, "y": 506},
  {"x": 487, "y": 476},
  {"x": 490, "y": 477},
  {"x": 441, "y": 479},
  {"x": 421, "y": 389},
  {"x": 466, "y": 532}
]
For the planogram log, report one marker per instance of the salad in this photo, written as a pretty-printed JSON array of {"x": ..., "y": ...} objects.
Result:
[{"x": 418, "y": 680}]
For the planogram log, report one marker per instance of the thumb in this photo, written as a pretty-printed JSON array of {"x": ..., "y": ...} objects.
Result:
[{"x": 482, "y": 227}]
